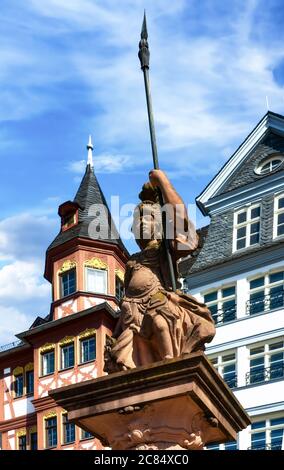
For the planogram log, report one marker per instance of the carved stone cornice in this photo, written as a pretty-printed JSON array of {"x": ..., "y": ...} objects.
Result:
[
  {"x": 66, "y": 340},
  {"x": 88, "y": 332},
  {"x": 18, "y": 371},
  {"x": 120, "y": 274},
  {"x": 96, "y": 263},
  {"x": 50, "y": 414},
  {"x": 47, "y": 347},
  {"x": 67, "y": 265}
]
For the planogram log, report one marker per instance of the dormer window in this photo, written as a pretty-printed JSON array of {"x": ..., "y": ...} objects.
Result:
[
  {"x": 269, "y": 165},
  {"x": 68, "y": 212},
  {"x": 246, "y": 227},
  {"x": 68, "y": 220}
]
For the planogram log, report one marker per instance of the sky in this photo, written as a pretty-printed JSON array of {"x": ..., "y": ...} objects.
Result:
[{"x": 69, "y": 68}]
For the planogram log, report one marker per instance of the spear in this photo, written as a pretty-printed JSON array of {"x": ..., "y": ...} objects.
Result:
[{"x": 144, "y": 56}]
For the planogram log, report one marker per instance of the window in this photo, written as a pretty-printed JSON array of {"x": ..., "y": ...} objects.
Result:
[
  {"x": 51, "y": 432},
  {"x": 269, "y": 165},
  {"x": 30, "y": 382},
  {"x": 68, "y": 282},
  {"x": 96, "y": 280},
  {"x": 266, "y": 293},
  {"x": 226, "y": 366},
  {"x": 119, "y": 288},
  {"x": 47, "y": 362},
  {"x": 19, "y": 385},
  {"x": 68, "y": 430},
  {"x": 278, "y": 226},
  {"x": 266, "y": 362},
  {"x": 267, "y": 434},
  {"x": 22, "y": 442},
  {"x": 232, "y": 445},
  {"x": 33, "y": 440},
  {"x": 68, "y": 220},
  {"x": 88, "y": 349},
  {"x": 67, "y": 356},
  {"x": 86, "y": 434},
  {"x": 222, "y": 304},
  {"x": 246, "y": 227}
]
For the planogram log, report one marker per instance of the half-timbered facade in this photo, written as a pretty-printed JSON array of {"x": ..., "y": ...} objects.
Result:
[{"x": 85, "y": 265}]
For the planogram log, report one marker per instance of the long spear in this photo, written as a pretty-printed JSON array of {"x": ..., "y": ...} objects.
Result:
[{"x": 144, "y": 56}]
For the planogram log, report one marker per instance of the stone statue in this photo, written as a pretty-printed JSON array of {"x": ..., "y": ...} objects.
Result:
[{"x": 155, "y": 322}]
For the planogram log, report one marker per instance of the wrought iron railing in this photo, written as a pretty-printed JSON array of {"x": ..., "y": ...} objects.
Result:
[
  {"x": 265, "y": 374},
  {"x": 224, "y": 315},
  {"x": 231, "y": 381},
  {"x": 276, "y": 446},
  {"x": 264, "y": 303},
  {"x": 8, "y": 346}
]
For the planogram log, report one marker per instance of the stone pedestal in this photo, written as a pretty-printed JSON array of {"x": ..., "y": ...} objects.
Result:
[{"x": 177, "y": 404}]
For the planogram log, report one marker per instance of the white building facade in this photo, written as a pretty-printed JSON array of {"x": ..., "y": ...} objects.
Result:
[{"x": 238, "y": 271}]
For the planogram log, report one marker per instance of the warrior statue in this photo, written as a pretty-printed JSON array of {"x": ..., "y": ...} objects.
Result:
[{"x": 157, "y": 323}]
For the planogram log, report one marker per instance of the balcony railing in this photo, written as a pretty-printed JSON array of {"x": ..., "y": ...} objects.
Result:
[
  {"x": 265, "y": 374},
  {"x": 264, "y": 303},
  {"x": 8, "y": 346},
  {"x": 224, "y": 315},
  {"x": 276, "y": 446},
  {"x": 231, "y": 381}
]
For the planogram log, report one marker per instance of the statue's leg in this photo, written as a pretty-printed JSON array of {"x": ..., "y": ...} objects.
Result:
[{"x": 162, "y": 338}]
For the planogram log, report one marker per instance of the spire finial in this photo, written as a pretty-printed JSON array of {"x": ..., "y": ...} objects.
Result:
[
  {"x": 144, "y": 53},
  {"x": 90, "y": 149}
]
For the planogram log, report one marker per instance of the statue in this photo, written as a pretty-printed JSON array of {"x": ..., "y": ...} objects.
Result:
[{"x": 155, "y": 322}]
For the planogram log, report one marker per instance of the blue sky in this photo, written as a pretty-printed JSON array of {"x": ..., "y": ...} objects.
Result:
[{"x": 69, "y": 68}]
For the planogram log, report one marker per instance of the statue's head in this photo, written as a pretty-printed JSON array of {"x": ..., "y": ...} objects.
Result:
[{"x": 147, "y": 218}]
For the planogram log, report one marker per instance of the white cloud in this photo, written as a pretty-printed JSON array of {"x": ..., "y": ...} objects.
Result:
[
  {"x": 26, "y": 236},
  {"x": 103, "y": 163},
  {"x": 21, "y": 281},
  {"x": 12, "y": 322}
]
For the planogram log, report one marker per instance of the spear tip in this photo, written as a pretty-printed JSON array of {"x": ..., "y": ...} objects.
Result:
[{"x": 144, "y": 32}]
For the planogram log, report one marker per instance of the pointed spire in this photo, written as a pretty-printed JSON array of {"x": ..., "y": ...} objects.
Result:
[
  {"x": 144, "y": 53},
  {"x": 90, "y": 149}
]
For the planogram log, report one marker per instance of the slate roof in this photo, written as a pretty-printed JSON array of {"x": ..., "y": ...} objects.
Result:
[{"x": 90, "y": 193}]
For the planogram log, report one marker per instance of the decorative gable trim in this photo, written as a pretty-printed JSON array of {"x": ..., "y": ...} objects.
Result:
[{"x": 269, "y": 121}]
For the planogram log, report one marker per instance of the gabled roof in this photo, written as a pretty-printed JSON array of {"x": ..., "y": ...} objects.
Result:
[
  {"x": 88, "y": 194},
  {"x": 271, "y": 121}
]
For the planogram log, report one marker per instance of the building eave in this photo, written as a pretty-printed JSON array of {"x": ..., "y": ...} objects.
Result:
[
  {"x": 29, "y": 334},
  {"x": 271, "y": 121}
]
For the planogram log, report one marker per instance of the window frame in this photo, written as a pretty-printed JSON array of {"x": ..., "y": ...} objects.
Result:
[
  {"x": 81, "y": 341},
  {"x": 65, "y": 423},
  {"x": 61, "y": 284},
  {"x": 24, "y": 436},
  {"x": 16, "y": 377},
  {"x": 63, "y": 346},
  {"x": 42, "y": 354},
  {"x": 276, "y": 212},
  {"x": 267, "y": 429},
  {"x": 29, "y": 373},
  {"x": 119, "y": 286},
  {"x": 92, "y": 269},
  {"x": 247, "y": 225},
  {"x": 46, "y": 428},
  {"x": 266, "y": 288},
  {"x": 266, "y": 354},
  {"x": 220, "y": 301},
  {"x": 220, "y": 364}
]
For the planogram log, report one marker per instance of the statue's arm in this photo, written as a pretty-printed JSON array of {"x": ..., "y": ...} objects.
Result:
[{"x": 185, "y": 238}]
